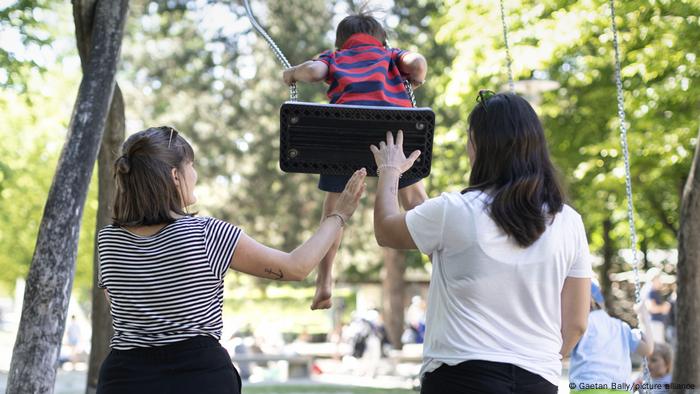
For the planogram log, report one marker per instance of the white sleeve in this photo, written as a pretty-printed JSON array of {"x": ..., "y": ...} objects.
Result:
[
  {"x": 581, "y": 264},
  {"x": 426, "y": 224}
]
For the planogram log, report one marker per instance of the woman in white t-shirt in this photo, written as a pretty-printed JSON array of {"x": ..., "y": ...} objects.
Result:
[{"x": 510, "y": 285}]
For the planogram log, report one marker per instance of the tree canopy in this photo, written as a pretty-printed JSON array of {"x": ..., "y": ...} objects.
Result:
[{"x": 198, "y": 66}]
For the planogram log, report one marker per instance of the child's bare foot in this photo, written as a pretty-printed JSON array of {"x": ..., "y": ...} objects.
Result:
[{"x": 322, "y": 298}]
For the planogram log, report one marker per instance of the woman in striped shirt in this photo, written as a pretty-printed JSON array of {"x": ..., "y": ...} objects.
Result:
[{"x": 162, "y": 269}]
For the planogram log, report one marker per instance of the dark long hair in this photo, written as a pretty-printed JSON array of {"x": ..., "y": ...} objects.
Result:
[
  {"x": 363, "y": 22},
  {"x": 146, "y": 193},
  {"x": 512, "y": 165}
]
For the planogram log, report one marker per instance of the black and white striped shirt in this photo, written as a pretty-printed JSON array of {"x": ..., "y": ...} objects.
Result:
[{"x": 169, "y": 286}]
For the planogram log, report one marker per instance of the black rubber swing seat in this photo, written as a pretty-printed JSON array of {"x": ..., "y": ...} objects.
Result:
[{"x": 334, "y": 139}]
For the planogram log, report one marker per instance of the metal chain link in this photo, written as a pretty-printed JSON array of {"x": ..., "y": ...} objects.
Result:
[
  {"x": 273, "y": 46},
  {"x": 409, "y": 90},
  {"x": 628, "y": 177},
  {"x": 509, "y": 60}
]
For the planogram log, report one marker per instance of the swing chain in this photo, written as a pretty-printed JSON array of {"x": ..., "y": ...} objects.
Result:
[
  {"x": 409, "y": 90},
  {"x": 628, "y": 178},
  {"x": 509, "y": 59},
  {"x": 273, "y": 46}
]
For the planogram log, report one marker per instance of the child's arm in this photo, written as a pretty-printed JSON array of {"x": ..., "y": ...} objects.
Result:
[
  {"x": 646, "y": 344},
  {"x": 309, "y": 71},
  {"x": 415, "y": 66},
  {"x": 575, "y": 305}
]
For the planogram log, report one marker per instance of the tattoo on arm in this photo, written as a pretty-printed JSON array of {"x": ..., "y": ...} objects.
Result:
[{"x": 275, "y": 275}]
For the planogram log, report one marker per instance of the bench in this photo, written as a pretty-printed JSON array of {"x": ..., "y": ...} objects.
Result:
[{"x": 298, "y": 366}]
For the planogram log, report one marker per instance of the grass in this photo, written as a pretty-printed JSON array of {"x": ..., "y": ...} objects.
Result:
[{"x": 319, "y": 389}]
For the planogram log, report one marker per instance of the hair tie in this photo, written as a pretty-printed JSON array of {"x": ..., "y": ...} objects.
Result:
[{"x": 123, "y": 164}]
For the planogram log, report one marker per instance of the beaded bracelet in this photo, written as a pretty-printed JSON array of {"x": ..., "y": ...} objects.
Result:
[
  {"x": 379, "y": 168},
  {"x": 342, "y": 219}
]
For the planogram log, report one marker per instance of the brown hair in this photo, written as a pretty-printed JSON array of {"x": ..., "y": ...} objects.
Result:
[
  {"x": 146, "y": 193},
  {"x": 362, "y": 22},
  {"x": 664, "y": 350},
  {"x": 512, "y": 163}
]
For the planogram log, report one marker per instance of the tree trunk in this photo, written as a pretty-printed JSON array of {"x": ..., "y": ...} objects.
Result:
[
  {"x": 101, "y": 318},
  {"x": 686, "y": 368},
  {"x": 608, "y": 254},
  {"x": 50, "y": 279},
  {"x": 83, "y": 14},
  {"x": 393, "y": 294},
  {"x": 644, "y": 248}
]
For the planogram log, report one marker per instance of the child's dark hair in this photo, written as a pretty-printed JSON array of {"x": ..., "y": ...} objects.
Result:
[
  {"x": 146, "y": 193},
  {"x": 362, "y": 22}
]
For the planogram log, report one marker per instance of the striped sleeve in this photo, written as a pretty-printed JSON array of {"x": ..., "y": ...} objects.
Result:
[
  {"x": 397, "y": 53},
  {"x": 100, "y": 283},
  {"x": 325, "y": 57},
  {"x": 220, "y": 239}
]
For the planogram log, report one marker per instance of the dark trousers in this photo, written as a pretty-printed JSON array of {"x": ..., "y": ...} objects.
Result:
[
  {"x": 198, "y": 366},
  {"x": 484, "y": 377}
]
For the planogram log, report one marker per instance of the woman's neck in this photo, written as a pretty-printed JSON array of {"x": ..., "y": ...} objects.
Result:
[
  {"x": 146, "y": 231},
  {"x": 151, "y": 229}
]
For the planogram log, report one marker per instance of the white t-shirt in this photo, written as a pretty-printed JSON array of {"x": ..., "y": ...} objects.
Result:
[{"x": 489, "y": 298}]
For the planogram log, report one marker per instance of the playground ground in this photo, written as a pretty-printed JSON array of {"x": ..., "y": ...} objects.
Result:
[{"x": 73, "y": 382}]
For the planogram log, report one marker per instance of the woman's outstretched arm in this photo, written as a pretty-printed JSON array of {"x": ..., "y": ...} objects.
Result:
[
  {"x": 254, "y": 258},
  {"x": 390, "y": 227}
]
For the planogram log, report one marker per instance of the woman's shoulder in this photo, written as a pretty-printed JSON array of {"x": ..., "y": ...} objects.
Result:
[
  {"x": 215, "y": 225},
  {"x": 456, "y": 201},
  {"x": 569, "y": 215},
  {"x": 569, "y": 210},
  {"x": 478, "y": 198}
]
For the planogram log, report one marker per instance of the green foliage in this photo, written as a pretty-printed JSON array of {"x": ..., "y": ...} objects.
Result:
[
  {"x": 35, "y": 108},
  {"x": 33, "y": 131},
  {"x": 572, "y": 43},
  {"x": 26, "y": 29},
  {"x": 200, "y": 67}
]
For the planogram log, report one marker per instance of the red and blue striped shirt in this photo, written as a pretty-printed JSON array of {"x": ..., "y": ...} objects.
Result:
[{"x": 363, "y": 72}]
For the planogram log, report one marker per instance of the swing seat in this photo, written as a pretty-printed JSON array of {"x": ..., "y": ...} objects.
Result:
[{"x": 334, "y": 139}]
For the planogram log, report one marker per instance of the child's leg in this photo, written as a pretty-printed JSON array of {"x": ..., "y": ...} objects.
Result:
[
  {"x": 412, "y": 196},
  {"x": 324, "y": 276}
]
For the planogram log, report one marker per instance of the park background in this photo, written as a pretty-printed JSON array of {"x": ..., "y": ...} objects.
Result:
[{"x": 198, "y": 66}]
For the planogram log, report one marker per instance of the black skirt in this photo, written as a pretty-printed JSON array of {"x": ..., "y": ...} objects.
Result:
[
  {"x": 484, "y": 377},
  {"x": 197, "y": 365}
]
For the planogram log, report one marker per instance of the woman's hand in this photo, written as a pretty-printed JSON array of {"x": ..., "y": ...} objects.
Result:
[
  {"x": 350, "y": 197},
  {"x": 391, "y": 154}
]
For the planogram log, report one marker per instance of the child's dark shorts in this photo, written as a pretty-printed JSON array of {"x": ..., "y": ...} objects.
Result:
[{"x": 336, "y": 183}]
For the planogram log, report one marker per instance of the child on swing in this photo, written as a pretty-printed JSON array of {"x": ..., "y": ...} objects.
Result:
[
  {"x": 603, "y": 354},
  {"x": 361, "y": 71}
]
